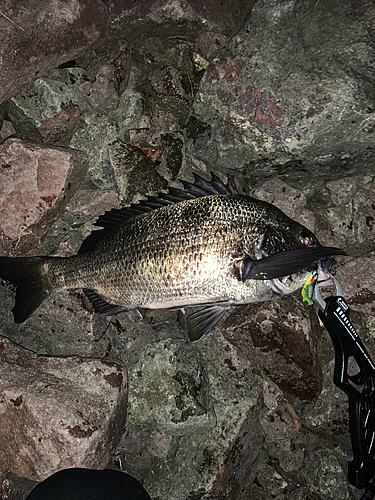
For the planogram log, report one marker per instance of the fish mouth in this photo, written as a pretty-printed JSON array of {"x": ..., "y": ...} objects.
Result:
[{"x": 288, "y": 284}]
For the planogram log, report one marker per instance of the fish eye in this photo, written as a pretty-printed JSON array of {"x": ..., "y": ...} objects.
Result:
[{"x": 306, "y": 239}]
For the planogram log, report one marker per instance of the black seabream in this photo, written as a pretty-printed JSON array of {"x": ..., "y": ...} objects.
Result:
[{"x": 204, "y": 246}]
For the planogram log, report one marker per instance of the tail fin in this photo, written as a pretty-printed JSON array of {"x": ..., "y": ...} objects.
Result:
[{"x": 26, "y": 274}]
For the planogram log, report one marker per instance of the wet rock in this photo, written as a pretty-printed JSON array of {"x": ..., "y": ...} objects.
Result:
[
  {"x": 278, "y": 338},
  {"x": 328, "y": 415},
  {"x": 277, "y": 421},
  {"x": 131, "y": 167},
  {"x": 169, "y": 390},
  {"x": 178, "y": 17},
  {"x": 107, "y": 76},
  {"x": 44, "y": 36},
  {"x": 15, "y": 488},
  {"x": 200, "y": 460},
  {"x": 86, "y": 401},
  {"x": 277, "y": 102},
  {"x": 65, "y": 325},
  {"x": 46, "y": 111},
  {"x": 92, "y": 136},
  {"x": 358, "y": 284},
  {"x": 36, "y": 184},
  {"x": 325, "y": 473}
]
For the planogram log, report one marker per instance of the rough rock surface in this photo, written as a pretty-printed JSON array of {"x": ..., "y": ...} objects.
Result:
[
  {"x": 107, "y": 76},
  {"x": 46, "y": 110},
  {"x": 184, "y": 18},
  {"x": 36, "y": 184},
  {"x": 58, "y": 412},
  {"x": 278, "y": 337},
  {"x": 205, "y": 420},
  {"x": 45, "y": 35},
  {"x": 291, "y": 94}
]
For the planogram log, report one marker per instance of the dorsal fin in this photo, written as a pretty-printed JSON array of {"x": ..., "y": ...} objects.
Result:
[{"x": 116, "y": 217}]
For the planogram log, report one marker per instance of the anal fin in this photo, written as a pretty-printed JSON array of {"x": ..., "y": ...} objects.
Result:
[
  {"x": 101, "y": 306},
  {"x": 202, "y": 322}
]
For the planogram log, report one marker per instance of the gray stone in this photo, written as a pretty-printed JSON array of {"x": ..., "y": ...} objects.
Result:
[
  {"x": 15, "y": 488},
  {"x": 218, "y": 460},
  {"x": 60, "y": 412},
  {"x": 131, "y": 167},
  {"x": 325, "y": 473},
  {"x": 277, "y": 102},
  {"x": 92, "y": 136},
  {"x": 107, "y": 76},
  {"x": 358, "y": 284},
  {"x": 43, "y": 36},
  {"x": 169, "y": 389},
  {"x": 177, "y": 18},
  {"x": 46, "y": 110}
]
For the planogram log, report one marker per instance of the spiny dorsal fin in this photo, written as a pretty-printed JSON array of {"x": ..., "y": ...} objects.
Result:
[{"x": 114, "y": 218}]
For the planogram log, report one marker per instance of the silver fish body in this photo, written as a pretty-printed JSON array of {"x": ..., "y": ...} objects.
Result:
[{"x": 177, "y": 252}]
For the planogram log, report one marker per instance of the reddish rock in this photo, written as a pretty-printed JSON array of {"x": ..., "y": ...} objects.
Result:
[
  {"x": 277, "y": 338},
  {"x": 58, "y": 413},
  {"x": 107, "y": 77},
  {"x": 36, "y": 183},
  {"x": 60, "y": 126},
  {"x": 43, "y": 36}
]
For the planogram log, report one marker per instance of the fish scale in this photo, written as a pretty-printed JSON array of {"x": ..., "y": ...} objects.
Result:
[{"x": 200, "y": 246}]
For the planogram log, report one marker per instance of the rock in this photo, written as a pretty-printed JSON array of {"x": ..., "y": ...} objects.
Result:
[
  {"x": 15, "y": 488},
  {"x": 169, "y": 390},
  {"x": 86, "y": 401},
  {"x": 92, "y": 136},
  {"x": 65, "y": 325},
  {"x": 132, "y": 168},
  {"x": 89, "y": 203},
  {"x": 276, "y": 102},
  {"x": 277, "y": 421},
  {"x": 184, "y": 18},
  {"x": 357, "y": 283},
  {"x": 290, "y": 200},
  {"x": 214, "y": 460},
  {"x": 325, "y": 473},
  {"x": 44, "y": 36},
  {"x": 328, "y": 415},
  {"x": 45, "y": 111},
  {"x": 107, "y": 76},
  {"x": 36, "y": 183},
  {"x": 278, "y": 338}
]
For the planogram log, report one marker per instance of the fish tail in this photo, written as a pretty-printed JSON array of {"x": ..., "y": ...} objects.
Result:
[{"x": 28, "y": 274}]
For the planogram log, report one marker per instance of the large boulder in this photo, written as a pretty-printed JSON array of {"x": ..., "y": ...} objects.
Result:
[
  {"x": 291, "y": 94},
  {"x": 43, "y": 36}
]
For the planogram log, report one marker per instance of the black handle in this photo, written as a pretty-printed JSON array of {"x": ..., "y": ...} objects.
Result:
[{"x": 360, "y": 388}]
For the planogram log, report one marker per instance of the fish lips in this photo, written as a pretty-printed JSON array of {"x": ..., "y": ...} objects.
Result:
[{"x": 294, "y": 261}]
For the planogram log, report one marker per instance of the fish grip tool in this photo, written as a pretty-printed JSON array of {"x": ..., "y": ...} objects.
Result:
[{"x": 360, "y": 388}]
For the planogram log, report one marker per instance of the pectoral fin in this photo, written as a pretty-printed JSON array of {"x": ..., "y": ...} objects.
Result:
[{"x": 202, "y": 322}]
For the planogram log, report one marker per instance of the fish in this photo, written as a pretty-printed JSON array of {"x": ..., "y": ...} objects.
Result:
[
  {"x": 204, "y": 245},
  {"x": 89, "y": 484}
]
